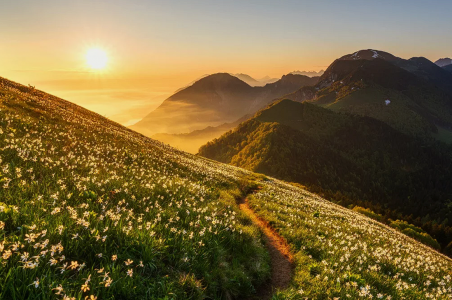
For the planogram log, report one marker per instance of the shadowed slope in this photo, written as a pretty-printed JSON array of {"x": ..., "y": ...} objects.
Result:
[{"x": 356, "y": 160}]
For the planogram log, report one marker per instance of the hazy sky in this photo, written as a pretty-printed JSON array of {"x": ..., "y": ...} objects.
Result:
[{"x": 155, "y": 47}]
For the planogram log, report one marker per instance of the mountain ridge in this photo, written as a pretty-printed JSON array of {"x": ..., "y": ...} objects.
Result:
[
  {"x": 308, "y": 73},
  {"x": 361, "y": 82},
  {"x": 442, "y": 62},
  {"x": 214, "y": 100}
]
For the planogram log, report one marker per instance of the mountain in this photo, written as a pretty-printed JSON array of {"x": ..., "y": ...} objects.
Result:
[
  {"x": 256, "y": 82},
  {"x": 419, "y": 92},
  {"x": 248, "y": 79},
  {"x": 448, "y": 68},
  {"x": 308, "y": 73},
  {"x": 355, "y": 160},
  {"x": 191, "y": 83},
  {"x": 370, "y": 54},
  {"x": 214, "y": 100},
  {"x": 267, "y": 79},
  {"x": 419, "y": 66},
  {"x": 243, "y": 77},
  {"x": 442, "y": 62},
  {"x": 90, "y": 209}
]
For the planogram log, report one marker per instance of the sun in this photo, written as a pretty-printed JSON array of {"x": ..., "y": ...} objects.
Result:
[{"x": 96, "y": 58}]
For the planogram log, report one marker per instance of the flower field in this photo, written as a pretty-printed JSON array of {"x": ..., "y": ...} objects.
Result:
[
  {"x": 344, "y": 255},
  {"x": 89, "y": 209},
  {"x": 92, "y": 210}
]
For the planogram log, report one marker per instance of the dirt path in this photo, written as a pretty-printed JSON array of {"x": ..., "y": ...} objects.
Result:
[{"x": 281, "y": 257}]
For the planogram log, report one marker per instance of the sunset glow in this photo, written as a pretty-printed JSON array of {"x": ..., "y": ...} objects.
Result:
[
  {"x": 107, "y": 54},
  {"x": 96, "y": 58},
  {"x": 257, "y": 149}
]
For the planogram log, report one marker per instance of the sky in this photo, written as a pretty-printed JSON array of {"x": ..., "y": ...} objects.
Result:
[{"x": 156, "y": 47}]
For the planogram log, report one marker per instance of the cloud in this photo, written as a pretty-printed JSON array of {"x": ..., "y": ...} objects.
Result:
[
  {"x": 125, "y": 106},
  {"x": 53, "y": 71}
]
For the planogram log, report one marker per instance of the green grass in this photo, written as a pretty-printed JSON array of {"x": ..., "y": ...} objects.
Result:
[
  {"x": 341, "y": 254},
  {"x": 90, "y": 208},
  {"x": 401, "y": 113}
]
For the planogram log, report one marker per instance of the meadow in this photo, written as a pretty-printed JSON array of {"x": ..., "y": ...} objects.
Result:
[
  {"x": 92, "y": 210},
  {"x": 89, "y": 209},
  {"x": 341, "y": 254}
]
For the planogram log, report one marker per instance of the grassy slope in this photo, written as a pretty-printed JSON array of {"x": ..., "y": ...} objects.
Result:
[
  {"x": 342, "y": 254},
  {"x": 81, "y": 197},
  {"x": 78, "y": 190},
  {"x": 400, "y": 113}
]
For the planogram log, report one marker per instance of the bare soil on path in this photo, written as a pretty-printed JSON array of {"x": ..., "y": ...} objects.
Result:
[{"x": 281, "y": 257}]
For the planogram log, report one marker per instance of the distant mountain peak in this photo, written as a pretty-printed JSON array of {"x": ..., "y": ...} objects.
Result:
[
  {"x": 292, "y": 78},
  {"x": 308, "y": 73},
  {"x": 442, "y": 62},
  {"x": 248, "y": 79},
  {"x": 218, "y": 76},
  {"x": 242, "y": 74},
  {"x": 216, "y": 99},
  {"x": 255, "y": 82},
  {"x": 219, "y": 79},
  {"x": 369, "y": 54}
]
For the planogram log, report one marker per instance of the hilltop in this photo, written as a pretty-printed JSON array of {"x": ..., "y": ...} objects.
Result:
[
  {"x": 92, "y": 209},
  {"x": 309, "y": 73},
  {"x": 419, "y": 66},
  {"x": 419, "y": 92},
  {"x": 442, "y": 62},
  {"x": 214, "y": 100},
  {"x": 255, "y": 82}
]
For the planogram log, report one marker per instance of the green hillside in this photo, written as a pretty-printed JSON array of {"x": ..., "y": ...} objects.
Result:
[
  {"x": 419, "y": 92},
  {"x": 344, "y": 255},
  {"x": 354, "y": 160},
  {"x": 400, "y": 113},
  {"x": 92, "y": 210}
]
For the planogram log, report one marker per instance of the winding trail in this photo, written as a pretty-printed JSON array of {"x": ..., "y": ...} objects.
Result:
[{"x": 281, "y": 257}]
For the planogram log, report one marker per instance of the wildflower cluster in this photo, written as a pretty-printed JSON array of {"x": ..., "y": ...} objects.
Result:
[
  {"x": 341, "y": 254},
  {"x": 91, "y": 209}
]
